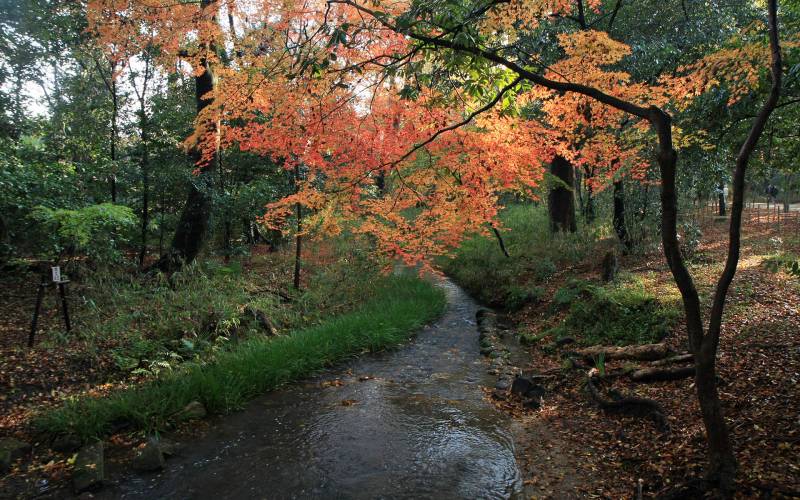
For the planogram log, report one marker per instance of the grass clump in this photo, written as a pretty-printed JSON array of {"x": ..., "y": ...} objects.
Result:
[
  {"x": 624, "y": 313},
  {"x": 399, "y": 306}
]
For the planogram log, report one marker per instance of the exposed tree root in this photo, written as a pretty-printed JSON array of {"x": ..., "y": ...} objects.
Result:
[
  {"x": 627, "y": 405},
  {"x": 693, "y": 488}
]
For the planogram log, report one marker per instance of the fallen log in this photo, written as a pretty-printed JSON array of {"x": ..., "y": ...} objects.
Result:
[
  {"x": 284, "y": 296},
  {"x": 644, "y": 352},
  {"x": 673, "y": 360},
  {"x": 627, "y": 405},
  {"x": 662, "y": 374},
  {"x": 262, "y": 319}
]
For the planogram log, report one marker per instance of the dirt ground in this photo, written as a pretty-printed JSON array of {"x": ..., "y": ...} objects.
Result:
[{"x": 571, "y": 449}]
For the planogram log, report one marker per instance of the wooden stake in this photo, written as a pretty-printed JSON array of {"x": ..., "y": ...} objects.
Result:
[{"x": 35, "y": 319}]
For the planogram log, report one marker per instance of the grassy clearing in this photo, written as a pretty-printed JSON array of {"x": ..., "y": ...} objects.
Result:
[
  {"x": 399, "y": 306},
  {"x": 480, "y": 267},
  {"x": 621, "y": 313}
]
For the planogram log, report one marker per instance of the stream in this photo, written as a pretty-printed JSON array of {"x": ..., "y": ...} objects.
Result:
[{"x": 408, "y": 423}]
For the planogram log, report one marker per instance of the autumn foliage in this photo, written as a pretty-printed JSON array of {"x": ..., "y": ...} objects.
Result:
[{"x": 418, "y": 166}]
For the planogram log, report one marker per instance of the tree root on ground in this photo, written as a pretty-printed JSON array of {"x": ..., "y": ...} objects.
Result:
[{"x": 627, "y": 405}]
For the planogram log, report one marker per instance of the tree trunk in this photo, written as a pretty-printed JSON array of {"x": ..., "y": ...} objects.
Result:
[
  {"x": 589, "y": 215},
  {"x": 787, "y": 192},
  {"x": 578, "y": 186},
  {"x": 721, "y": 199},
  {"x": 619, "y": 216},
  {"x": 144, "y": 161},
  {"x": 145, "y": 167},
  {"x": 298, "y": 238},
  {"x": 112, "y": 179},
  {"x": 722, "y": 467},
  {"x": 703, "y": 345},
  {"x": 190, "y": 234},
  {"x": 561, "y": 201}
]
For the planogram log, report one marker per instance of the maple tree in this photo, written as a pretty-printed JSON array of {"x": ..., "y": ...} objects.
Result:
[{"x": 410, "y": 119}]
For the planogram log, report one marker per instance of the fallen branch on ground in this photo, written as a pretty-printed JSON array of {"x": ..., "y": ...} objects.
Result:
[
  {"x": 661, "y": 374},
  {"x": 262, "y": 319},
  {"x": 645, "y": 352},
  {"x": 673, "y": 360},
  {"x": 286, "y": 297}
]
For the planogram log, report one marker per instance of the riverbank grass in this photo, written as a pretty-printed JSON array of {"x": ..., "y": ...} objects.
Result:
[{"x": 399, "y": 307}]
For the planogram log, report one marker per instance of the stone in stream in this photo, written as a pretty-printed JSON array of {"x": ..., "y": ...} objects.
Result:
[
  {"x": 499, "y": 395},
  {"x": 524, "y": 388},
  {"x": 66, "y": 443},
  {"x": 192, "y": 411},
  {"x": 10, "y": 450},
  {"x": 502, "y": 384},
  {"x": 90, "y": 470},
  {"x": 169, "y": 448},
  {"x": 531, "y": 403},
  {"x": 150, "y": 457}
]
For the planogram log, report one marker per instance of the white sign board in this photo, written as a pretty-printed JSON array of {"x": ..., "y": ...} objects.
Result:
[{"x": 56, "y": 273}]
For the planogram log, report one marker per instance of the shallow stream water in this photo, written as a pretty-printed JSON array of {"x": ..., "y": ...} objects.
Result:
[{"x": 409, "y": 423}]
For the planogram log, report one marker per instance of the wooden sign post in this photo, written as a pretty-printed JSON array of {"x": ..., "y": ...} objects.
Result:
[{"x": 57, "y": 281}]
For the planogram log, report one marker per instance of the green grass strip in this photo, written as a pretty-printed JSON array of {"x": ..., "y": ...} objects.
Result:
[{"x": 397, "y": 310}]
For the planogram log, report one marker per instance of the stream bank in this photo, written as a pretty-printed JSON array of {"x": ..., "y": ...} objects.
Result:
[{"x": 410, "y": 423}]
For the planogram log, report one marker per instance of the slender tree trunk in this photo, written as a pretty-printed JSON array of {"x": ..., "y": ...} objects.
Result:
[
  {"x": 112, "y": 179},
  {"x": 722, "y": 460},
  {"x": 144, "y": 161},
  {"x": 145, "y": 167},
  {"x": 226, "y": 219},
  {"x": 787, "y": 192},
  {"x": 298, "y": 238},
  {"x": 590, "y": 213},
  {"x": 578, "y": 186},
  {"x": 561, "y": 201},
  {"x": 162, "y": 209},
  {"x": 703, "y": 345},
  {"x": 619, "y": 216},
  {"x": 721, "y": 199}
]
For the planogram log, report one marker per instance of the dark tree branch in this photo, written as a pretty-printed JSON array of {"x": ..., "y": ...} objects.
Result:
[{"x": 715, "y": 322}]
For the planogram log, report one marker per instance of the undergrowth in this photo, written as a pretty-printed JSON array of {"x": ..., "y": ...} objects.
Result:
[
  {"x": 399, "y": 305},
  {"x": 480, "y": 267},
  {"x": 620, "y": 313},
  {"x": 150, "y": 324}
]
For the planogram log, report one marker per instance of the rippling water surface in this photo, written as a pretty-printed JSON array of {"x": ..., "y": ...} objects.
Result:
[{"x": 410, "y": 423}]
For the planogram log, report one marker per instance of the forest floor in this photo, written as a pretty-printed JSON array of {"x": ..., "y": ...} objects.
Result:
[
  {"x": 569, "y": 448},
  {"x": 61, "y": 365}
]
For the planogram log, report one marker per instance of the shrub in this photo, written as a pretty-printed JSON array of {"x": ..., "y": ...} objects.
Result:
[{"x": 99, "y": 231}]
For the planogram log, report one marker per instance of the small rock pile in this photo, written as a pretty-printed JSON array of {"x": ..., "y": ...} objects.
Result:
[{"x": 510, "y": 379}]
